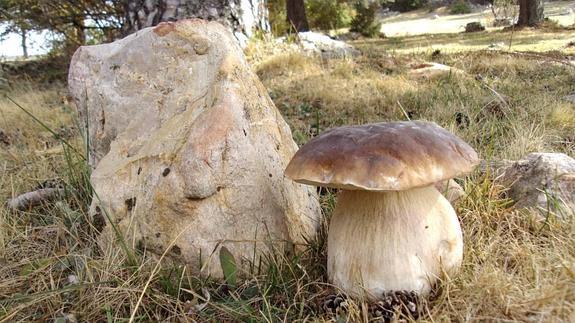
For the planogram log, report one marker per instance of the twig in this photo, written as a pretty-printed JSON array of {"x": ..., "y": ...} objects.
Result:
[
  {"x": 34, "y": 198},
  {"x": 403, "y": 110},
  {"x": 511, "y": 37}
]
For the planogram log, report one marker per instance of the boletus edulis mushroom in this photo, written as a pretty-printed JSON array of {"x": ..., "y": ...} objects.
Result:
[{"x": 391, "y": 230}]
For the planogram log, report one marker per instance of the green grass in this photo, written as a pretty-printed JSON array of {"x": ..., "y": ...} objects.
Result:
[{"x": 515, "y": 268}]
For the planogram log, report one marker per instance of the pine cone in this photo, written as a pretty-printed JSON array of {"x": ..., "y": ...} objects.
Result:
[
  {"x": 335, "y": 304},
  {"x": 405, "y": 303}
]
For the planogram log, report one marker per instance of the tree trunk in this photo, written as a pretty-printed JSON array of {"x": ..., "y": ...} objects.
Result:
[
  {"x": 244, "y": 17},
  {"x": 296, "y": 15},
  {"x": 530, "y": 12},
  {"x": 23, "y": 35}
]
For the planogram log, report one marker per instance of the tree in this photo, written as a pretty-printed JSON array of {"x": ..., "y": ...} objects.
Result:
[
  {"x": 243, "y": 17},
  {"x": 296, "y": 15},
  {"x": 76, "y": 21},
  {"x": 12, "y": 14},
  {"x": 365, "y": 21},
  {"x": 530, "y": 12}
]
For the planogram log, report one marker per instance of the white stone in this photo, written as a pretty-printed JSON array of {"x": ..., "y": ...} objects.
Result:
[
  {"x": 188, "y": 148},
  {"x": 325, "y": 46},
  {"x": 432, "y": 70}
]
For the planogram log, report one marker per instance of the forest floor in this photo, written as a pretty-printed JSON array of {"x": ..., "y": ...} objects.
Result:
[
  {"x": 515, "y": 267},
  {"x": 440, "y": 21}
]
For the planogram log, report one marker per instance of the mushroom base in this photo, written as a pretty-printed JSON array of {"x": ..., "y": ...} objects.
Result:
[{"x": 392, "y": 241}]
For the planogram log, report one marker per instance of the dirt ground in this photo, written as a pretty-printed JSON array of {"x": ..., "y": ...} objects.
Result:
[{"x": 440, "y": 21}]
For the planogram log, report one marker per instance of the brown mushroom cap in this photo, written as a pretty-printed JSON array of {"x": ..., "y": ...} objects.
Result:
[{"x": 386, "y": 156}]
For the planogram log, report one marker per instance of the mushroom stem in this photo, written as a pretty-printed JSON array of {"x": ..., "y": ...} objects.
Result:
[{"x": 392, "y": 241}]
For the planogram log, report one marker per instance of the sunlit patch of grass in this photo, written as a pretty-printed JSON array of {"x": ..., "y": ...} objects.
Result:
[
  {"x": 562, "y": 116},
  {"x": 526, "y": 39}
]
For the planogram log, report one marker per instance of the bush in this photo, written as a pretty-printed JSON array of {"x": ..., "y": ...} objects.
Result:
[
  {"x": 474, "y": 27},
  {"x": 460, "y": 7},
  {"x": 328, "y": 14},
  {"x": 408, "y": 5},
  {"x": 364, "y": 21},
  {"x": 278, "y": 17}
]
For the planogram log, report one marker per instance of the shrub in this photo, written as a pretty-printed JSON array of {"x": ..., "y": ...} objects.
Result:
[
  {"x": 328, "y": 14},
  {"x": 460, "y": 7},
  {"x": 474, "y": 27},
  {"x": 278, "y": 17},
  {"x": 364, "y": 21},
  {"x": 408, "y": 5}
]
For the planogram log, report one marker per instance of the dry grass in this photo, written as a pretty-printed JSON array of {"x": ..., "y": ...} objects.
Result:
[
  {"x": 515, "y": 268},
  {"x": 527, "y": 39}
]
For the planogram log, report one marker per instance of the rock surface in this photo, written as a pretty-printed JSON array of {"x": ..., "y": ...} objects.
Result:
[
  {"x": 188, "y": 148},
  {"x": 451, "y": 190},
  {"x": 543, "y": 181},
  {"x": 323, "y": 45}
]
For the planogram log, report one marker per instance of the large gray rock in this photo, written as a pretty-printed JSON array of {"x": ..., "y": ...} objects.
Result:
[
  {"x": 326, "y": 47},
  {"x": 543, "y": 181},
  {"x": 188, "y": 148}
]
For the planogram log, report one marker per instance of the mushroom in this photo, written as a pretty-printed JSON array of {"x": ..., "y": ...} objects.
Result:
[{"x": 391, "y": 230}]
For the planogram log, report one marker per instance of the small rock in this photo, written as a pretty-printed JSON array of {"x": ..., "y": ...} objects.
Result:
[
  {"x": 451, "y": 190},
  {"x": 496, "y": 46},
  {"x": 386, "y": 13},
  {"x": 570, "y": 98},
  {"x": 544, "y": 182},
  {"x": 73, "y": 279}
]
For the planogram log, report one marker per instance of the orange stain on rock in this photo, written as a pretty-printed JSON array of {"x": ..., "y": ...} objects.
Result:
[{"x": 164, "y": 28}]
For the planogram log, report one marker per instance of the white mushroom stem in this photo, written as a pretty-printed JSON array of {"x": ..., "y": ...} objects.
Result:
[{"x": 392, "y": 241}]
